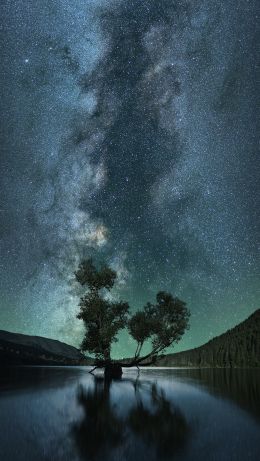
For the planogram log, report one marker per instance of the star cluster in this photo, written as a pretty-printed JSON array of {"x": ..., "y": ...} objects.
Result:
[{"x": 130, "y": 135}]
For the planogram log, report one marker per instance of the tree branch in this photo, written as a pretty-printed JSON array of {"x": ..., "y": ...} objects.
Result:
[
  {"x": 137, "y": 360},
  {"x": 141, "y": 359},
  {"x": 136, "y": 352},
  {"x": 93, "y": 369}
]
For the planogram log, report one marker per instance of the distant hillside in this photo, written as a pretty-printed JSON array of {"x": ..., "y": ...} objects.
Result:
[
  {"x": 238, "y": 347},
  {"x": 18, "y": 349}
]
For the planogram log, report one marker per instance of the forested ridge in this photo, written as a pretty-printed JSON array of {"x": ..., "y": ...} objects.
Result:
[{"x": 238, "y": 347}]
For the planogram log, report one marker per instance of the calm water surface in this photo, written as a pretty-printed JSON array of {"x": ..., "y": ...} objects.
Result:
[{"x": 49, "y": 413}]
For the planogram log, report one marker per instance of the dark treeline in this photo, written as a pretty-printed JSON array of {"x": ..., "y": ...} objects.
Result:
[
  {"x": 238, "y": 347},
  {"x": 19, "y": 349}
]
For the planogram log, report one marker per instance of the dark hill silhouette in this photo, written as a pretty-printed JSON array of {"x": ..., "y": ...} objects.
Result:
[
  {"x": 238, "y": 347},
  {"x": 19, "y": 349}
]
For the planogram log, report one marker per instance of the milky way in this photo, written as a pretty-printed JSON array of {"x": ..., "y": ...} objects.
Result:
[{"x": 129, "y": 133}]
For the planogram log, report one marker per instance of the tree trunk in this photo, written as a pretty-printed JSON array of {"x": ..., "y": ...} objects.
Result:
[{"x": 113, "y": 371}]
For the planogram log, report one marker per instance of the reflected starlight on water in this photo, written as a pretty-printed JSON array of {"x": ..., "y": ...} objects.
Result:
[
  {"x": 152, "y": 423},
  {"x": 65, "y": 413}
]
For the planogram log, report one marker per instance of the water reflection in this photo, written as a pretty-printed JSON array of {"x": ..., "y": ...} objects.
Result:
[
  {"x": 161, "y": 425},
  {"x": 101, "y": 428},
  {"x": 152, "y": 420},
  {"x": 34, "y": 379},
  {"x": 239, "y": 385},
  {"x": 66, "y": 414}
]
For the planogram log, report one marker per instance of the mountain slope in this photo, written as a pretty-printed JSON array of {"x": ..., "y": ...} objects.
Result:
[
  {"x": 21, "y": 349},
  {"x": 238, "y": 347}
]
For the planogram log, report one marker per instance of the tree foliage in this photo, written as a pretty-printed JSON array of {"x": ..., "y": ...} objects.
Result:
[
  {"x": 88, "y": 274},
  {"x": 161, "y": 324},
  {"x": 102, "y": 318}
]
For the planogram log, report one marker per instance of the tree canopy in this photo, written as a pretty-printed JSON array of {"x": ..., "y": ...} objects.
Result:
[
  {"x": 102, "y": 318},
  {"x": 161, "y": 324}
]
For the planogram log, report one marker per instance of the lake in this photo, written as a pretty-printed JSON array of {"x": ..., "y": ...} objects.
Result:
[{"x": 65, "y": 413}]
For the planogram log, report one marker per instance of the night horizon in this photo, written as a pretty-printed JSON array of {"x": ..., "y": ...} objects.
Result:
[
  {"x": 129, "y": 236},
  {"x": 130, "y": 135}
]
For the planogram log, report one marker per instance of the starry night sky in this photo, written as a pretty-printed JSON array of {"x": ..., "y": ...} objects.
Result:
[{"x": 129, "y": 133}]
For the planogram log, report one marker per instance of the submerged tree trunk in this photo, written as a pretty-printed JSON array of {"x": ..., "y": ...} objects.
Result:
[{"x": 113, "y": 371}]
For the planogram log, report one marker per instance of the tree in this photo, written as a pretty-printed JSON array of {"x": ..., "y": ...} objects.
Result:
[
  {"x": 102, "y": 318},
  {"x": 161, "y": 324}
]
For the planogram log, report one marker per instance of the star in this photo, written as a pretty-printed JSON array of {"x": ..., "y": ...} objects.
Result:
[{"x": 131, "y": 138}]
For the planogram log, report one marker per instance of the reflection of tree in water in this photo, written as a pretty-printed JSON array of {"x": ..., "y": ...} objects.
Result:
[
  {"x": 159, "y": 425},
  {"x": 101, "y": 429}
]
